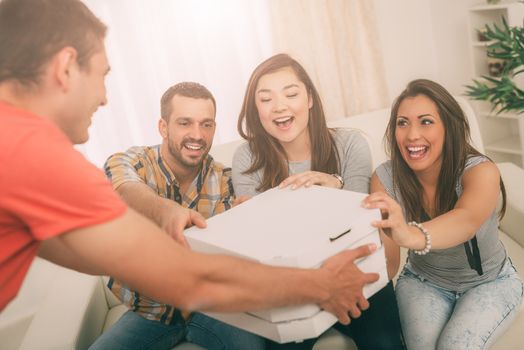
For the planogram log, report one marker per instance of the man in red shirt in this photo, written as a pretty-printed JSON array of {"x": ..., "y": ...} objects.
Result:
[{"x": 56, "y": 204}]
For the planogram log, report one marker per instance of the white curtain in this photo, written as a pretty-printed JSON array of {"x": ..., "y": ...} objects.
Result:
[
  {"x": 154, "y": 44},
  {"x": 337, "y": 41}
]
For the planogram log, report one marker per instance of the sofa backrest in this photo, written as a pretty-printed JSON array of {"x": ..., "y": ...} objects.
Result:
[{"x": 372, "y": 125}]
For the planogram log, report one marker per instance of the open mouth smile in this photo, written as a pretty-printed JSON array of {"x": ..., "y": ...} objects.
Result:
[
  {"x": 284, "y": 122},
  {"x": 417, "y": 152},
  {"x": 193, "y": 146}
]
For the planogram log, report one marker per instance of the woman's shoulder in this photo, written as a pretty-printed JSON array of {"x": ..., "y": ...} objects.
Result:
[
  {"x": 243, "y": 150},
  {"x": 350, "y": 139},
  {"x": 474, "y": 160},
  {"x": 384, "y": 170},
  {"x": 384, "y": 174},
  {"x": 348, "y": 134},
  {"x": 242, "y": 157}
]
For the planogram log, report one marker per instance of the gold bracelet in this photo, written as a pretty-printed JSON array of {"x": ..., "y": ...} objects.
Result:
[{"x": 427, "y": 237}]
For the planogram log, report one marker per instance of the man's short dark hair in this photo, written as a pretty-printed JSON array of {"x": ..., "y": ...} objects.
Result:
[
  {"x": 32, "y": 31},
  {"x": 186, "y": 89}
]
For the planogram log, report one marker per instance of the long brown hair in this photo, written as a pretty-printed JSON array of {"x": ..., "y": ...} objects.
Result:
[
  {"x": 268, "y": 153},
  {"x": 456, "y": 149}
]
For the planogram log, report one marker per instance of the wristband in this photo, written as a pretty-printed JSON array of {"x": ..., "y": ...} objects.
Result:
[
  {"x": 340, "y": 179},
  {"x": 427, "y": 237}
]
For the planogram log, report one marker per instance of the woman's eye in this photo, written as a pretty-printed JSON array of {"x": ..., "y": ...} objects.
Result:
[
  {"x": 265, "y": 99},
  {"x": 426, "y": 122},
  {"x": 292, "y": 95},
  {"x": 401, "y": 122}
]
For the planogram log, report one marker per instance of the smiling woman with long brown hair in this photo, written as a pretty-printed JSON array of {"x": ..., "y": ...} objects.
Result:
[
  {"x": 289, "y": 144},
  {"x": 439, "y": 196}
]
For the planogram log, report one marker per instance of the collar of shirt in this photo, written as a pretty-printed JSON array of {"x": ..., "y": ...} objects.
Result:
[{"x": 193, "y": 192}]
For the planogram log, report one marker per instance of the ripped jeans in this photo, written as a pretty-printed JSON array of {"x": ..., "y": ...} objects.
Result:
[{"x": 436, "y": 318}]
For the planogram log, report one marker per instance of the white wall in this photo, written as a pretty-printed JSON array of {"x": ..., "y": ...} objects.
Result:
[
  {"x": 451, "y": 28},
  {"x": 419, "y": 39},
  {"x": 425, "y": 39},
  {"x": 408, "y": 46}
]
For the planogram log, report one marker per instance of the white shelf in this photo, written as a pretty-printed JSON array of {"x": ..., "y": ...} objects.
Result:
[
  {"x": 504, "y": 115},
  {"x": 502, "y": 6},
  {"x": 482, "y": 43},
  {"x": 506, "y": 128},
  {"x": 482, "y": 78},
  {"x": 510, "y": 145}
]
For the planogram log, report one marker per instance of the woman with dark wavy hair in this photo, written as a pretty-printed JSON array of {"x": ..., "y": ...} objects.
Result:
[
  {"x": 289, "y": 144},
  {"x": 438, "y": 196}
]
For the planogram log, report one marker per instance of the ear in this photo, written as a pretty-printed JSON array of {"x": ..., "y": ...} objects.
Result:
[
  {"x": 65, "y": 67},
  {"x": 309, "y": 101},
  {"x": 162, "y": 128}
]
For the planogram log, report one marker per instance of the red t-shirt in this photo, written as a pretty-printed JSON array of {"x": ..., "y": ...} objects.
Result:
[{"x": 46, "y": 188}]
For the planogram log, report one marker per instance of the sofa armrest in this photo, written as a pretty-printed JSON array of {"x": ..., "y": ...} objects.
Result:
[
  {"x": 72, "y": 315},
  {"x": 512, "y": 222}
]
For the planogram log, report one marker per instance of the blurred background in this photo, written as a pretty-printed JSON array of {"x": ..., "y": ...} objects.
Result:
[{"x": 360, "y": 54}]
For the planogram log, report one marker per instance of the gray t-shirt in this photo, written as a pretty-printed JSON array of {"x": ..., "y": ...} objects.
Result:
[
  {"x": 355, "y": 159},
  {"x": 449, "y": 268}
]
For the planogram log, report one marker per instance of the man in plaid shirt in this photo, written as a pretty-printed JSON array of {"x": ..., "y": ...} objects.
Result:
[{"x": 175, "y": 184}]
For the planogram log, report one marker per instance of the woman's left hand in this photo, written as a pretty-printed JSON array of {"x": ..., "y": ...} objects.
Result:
[{"x": 309, "y": 178}]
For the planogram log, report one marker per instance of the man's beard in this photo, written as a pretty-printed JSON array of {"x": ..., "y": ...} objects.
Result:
[{"x": 190, "y": 163}]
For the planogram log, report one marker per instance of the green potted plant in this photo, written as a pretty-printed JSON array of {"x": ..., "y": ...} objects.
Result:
[{"x": 506, "y": 48}]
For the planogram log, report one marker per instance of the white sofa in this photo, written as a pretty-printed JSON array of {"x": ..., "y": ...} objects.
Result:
[{"x": 62, "y": 309}]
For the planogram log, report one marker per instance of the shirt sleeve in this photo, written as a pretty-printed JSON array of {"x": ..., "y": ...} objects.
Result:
[
  {"x": 53, "y": 189},
  {"x": 226, "y": 192},
  {"x": 244, "y": 184},
  {"x": 385, "y": 176},
  {"x": 125, "y": 167},
  {"x": 355, "y": 160}
]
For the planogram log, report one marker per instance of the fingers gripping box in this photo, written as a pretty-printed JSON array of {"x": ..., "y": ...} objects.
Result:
[{"x": 292, "y": 228}]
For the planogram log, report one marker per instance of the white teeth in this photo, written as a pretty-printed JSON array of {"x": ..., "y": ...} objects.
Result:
[
  {"x": 282, "y": 120},
  {"x": 416, "y": 149},
  {"x": 193, "y": 147}
]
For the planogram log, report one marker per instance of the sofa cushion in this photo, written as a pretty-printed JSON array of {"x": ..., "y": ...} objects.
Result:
[{"x": 514, "y": 218}]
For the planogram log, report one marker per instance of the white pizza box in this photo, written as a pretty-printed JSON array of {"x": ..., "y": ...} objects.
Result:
[
  {"x": 294, "y": 228},
  {"x": 281, "y": 332},
  {"x": 373, "y": 263},
  {"x": 297, "y": 330}
]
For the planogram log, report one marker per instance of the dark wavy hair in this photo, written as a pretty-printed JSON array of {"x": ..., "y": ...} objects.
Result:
[
  {"x": 456, "y": 149},
  {"x": 186, "y": 89},
  {"x": 267, "y": 152}
]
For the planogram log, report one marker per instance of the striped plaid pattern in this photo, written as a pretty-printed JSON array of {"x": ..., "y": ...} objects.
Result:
[{"x": 210, "y": 193}]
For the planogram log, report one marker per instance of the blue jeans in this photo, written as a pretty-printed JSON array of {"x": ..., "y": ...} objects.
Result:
[
  {"x": 133, "y": 331},
  {"x": 436, "y": 318}
]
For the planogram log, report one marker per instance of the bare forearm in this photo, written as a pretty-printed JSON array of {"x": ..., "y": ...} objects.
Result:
[
  {"x": 57, "y": 252},
  {"x": 230, "y": 284},
  {"x": 475, "y": 205},
  {"x": 450, "y": 229},
  {"x": 186, "y": 279},
  {"x": 139, "y": 254},
  {"x": 144, "y": 200}
]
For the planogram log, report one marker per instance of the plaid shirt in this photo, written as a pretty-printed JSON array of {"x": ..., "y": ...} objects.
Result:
[{"x": 210, "y": 193}]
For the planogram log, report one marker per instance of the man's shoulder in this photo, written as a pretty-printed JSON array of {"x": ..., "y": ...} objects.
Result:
[
  {"x": 143, "y": 151},
  {"x": 136, "y": 153},
  {"x": 22, "y": 128}
]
